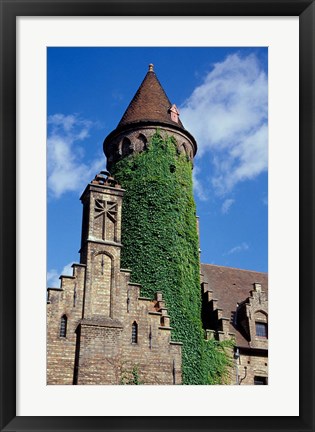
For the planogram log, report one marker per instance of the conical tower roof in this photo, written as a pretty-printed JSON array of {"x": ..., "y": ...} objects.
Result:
[
  {"x": 150, "y": 103},
  {"x": 149, "y": 110}
]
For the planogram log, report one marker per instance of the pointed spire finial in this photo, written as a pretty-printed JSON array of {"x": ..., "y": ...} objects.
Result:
[{"x": 151, "y": 66}]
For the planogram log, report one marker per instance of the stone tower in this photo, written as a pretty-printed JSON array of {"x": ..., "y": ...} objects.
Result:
[{"x": 151, "y": 154}]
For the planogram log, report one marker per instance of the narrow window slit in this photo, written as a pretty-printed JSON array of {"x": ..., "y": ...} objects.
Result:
[
  {"x": 134, "y": 333},
  {"x": 63, "y": 326}
]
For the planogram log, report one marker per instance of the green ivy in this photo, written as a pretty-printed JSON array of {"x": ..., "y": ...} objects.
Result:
[
  {"x": 131, "y": 377},
  {"x": 160, "y": 240},
  {"x": 218, "y": 361}
]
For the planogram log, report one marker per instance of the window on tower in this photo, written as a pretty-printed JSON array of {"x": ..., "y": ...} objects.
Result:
[
  {"x": 126, "y": 147},
  {"x": 63, "y": 326}
]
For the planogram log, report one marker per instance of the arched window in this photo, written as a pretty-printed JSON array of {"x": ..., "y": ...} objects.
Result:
[
  {"x": 126, "y": 147},
  {"x": 183, "y": 148},
  {"x": 143, "y": 141},
  {"x": 63, "y": 326},
  {"x": 134, "y": 332}
]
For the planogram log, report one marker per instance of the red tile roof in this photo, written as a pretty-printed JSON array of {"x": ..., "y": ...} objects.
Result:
[
  {"x": 231, "y": 286},
  {"x": 150, "y": 103}
]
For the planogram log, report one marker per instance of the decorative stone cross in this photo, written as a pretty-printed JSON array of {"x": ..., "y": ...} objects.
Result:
[{"x": 105, "y": 209}]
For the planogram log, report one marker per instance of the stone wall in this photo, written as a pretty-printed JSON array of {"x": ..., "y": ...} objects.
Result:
[
  {"x": 103, "y": 309},
  {"x": 136, "y": 139},
  {"x": 252, "y": 364},
  {"x": 65, "y": 301}
]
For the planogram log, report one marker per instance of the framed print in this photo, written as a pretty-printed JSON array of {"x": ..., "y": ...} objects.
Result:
[{"x": 50, "y": 51}]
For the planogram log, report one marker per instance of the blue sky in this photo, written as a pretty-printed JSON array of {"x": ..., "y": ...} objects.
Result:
[{"x": 222, "y": 96}]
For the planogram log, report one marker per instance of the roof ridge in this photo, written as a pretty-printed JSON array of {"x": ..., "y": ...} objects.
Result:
[{"x": 233, "y": 268}]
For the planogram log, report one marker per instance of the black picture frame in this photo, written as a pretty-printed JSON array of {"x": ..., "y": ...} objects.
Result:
[{"x": 10, "y": 9}]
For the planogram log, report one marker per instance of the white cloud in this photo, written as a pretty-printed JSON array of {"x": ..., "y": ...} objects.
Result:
[
  {"x": 199, "y": 188},
  {"x": 53, "y": 275},
  {"x": 66, "y": 169},
  {"x": 227, "y": 114},
  {"x": 227, "y": 205},
  {"x": 236, "y": 249},
  {"x": 53, "y": 279}
]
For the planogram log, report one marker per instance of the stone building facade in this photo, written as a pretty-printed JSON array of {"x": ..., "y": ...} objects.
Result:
[
  {"x": 100, "y": 330},
  {"x": 235, "y": 306}
]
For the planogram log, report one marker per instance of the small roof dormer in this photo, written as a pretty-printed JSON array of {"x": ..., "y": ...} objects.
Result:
[{"x": 174, "y": 113}]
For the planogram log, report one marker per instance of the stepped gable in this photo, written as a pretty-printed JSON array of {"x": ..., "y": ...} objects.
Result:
[
  {"x": 231, "y": 286},
  {"x": 150, "y": 103}
]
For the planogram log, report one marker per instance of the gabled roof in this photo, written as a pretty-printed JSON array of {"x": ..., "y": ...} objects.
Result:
[
  {"x": 150, "y": 103},
  {"x": 231, "y": 286}
]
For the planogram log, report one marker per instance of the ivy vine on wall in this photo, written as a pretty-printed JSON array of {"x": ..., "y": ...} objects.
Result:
[{"x": 159, "y": 235}]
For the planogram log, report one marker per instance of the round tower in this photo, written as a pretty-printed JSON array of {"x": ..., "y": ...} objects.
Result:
[
  {"x": 149, "y": 110},
  {"x": 150, "y": 153}
]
